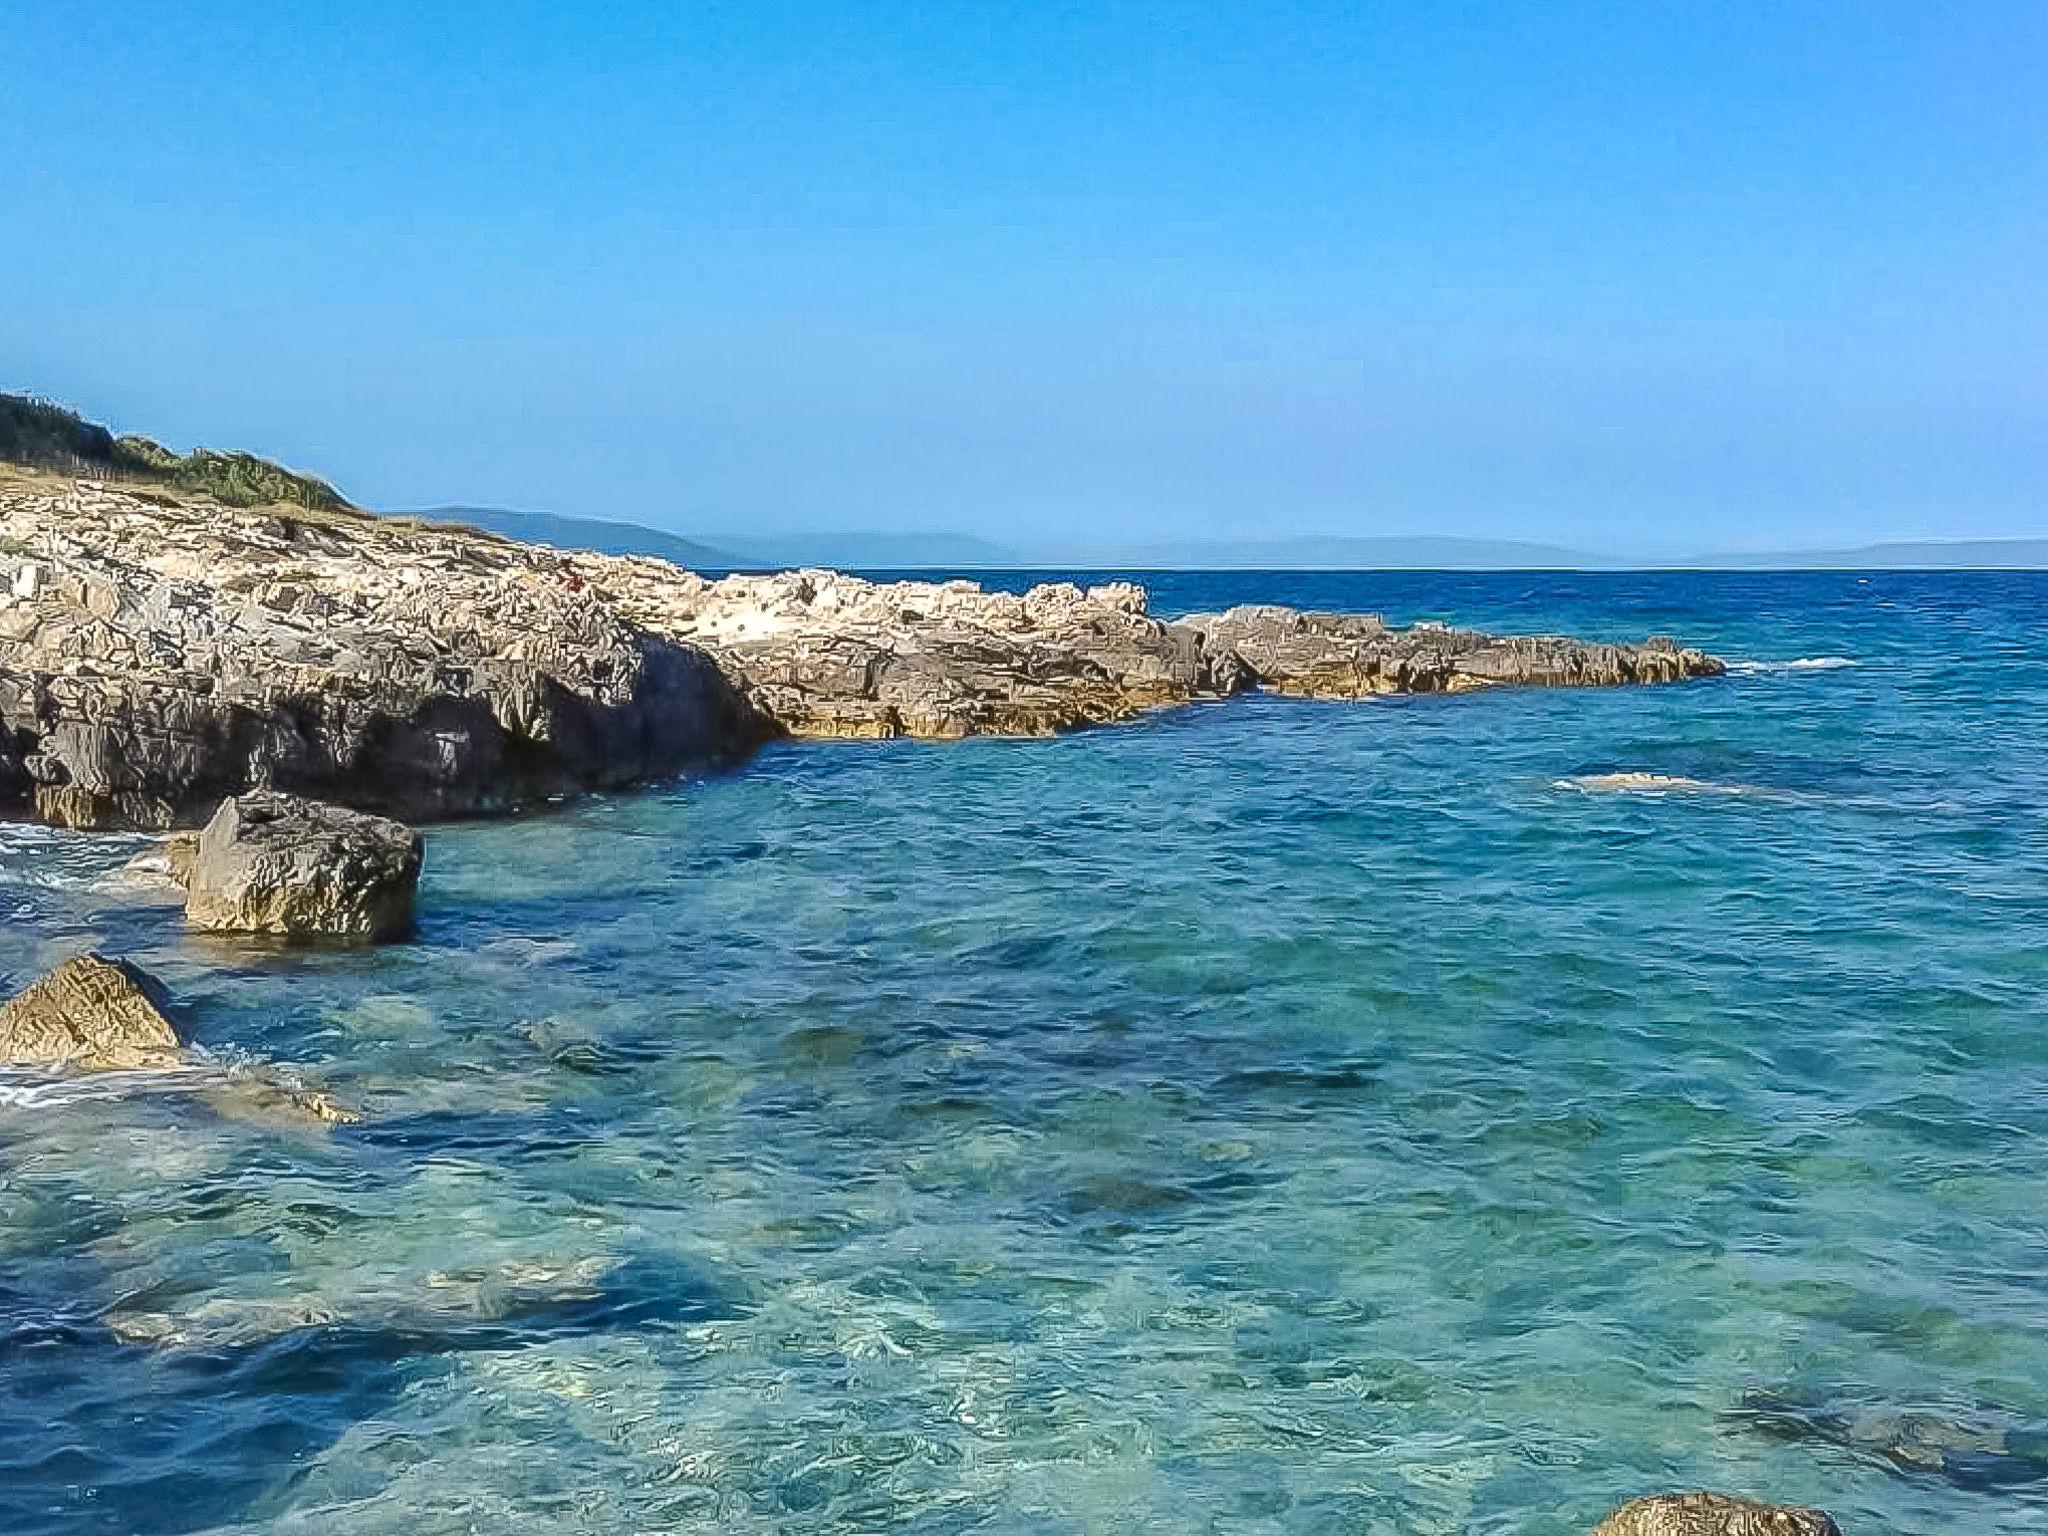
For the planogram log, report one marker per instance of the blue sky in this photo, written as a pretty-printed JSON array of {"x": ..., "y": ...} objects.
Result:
[{"x": 1627, "y": 276}]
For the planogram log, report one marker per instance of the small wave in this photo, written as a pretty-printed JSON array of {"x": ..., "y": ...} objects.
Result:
[
  {"x": 1796, "y": 664},
  {"x": 36, "y": 857},
  {"x": 21, "y": 1089},
  {"x": 1648, "y": 784}
]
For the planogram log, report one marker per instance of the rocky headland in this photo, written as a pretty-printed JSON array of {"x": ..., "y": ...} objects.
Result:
[
  {"x": 161, "y": 652},
  {"x": 290, "y": 674}
]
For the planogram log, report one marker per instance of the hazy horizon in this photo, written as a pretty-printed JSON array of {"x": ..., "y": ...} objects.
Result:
[{"x": 1638, "y": 283}]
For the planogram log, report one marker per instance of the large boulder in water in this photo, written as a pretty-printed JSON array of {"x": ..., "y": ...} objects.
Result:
[
  {"x": 300, "y": 870},
  {"x": 1713, "y": 1514},
  {"x": 92, "y": 1014}
]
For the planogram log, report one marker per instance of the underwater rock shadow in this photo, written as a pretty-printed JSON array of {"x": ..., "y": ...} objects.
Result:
[
  {"x": 101, "y": 1435},
  {"x": 1984, "y": 1448}
]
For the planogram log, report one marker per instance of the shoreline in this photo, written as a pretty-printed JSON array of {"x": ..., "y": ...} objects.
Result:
[{"x": 165, "y": 653}]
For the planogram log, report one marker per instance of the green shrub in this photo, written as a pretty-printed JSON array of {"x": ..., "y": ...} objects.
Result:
[{"x": 44, "y": 435}]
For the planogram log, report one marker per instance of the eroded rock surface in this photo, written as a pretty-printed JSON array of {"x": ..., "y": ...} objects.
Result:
[
  {"x": 158, "y": 655},
  {"x": 96, "y": 1015},
  {"x": 289, "y": 868},
  {"x": 90, "y": 1014},
  {"x": 1350, "y": 656},
  {"x": 825, "y": 654},
  {"x": 1712, "y": 1514}
]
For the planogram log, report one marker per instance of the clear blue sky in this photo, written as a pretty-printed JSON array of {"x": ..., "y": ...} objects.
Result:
[{"x": 1621, "y": 275}]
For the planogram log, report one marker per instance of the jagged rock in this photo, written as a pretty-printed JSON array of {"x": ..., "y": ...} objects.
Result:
[
  {"x": 824, "y": 654},
  {"x": 1712, "y": 1514},
  {"x": 158, "y": 656},
  {"x": 166, "y": 655},
  {"x": 1349, "y": 656},
  {"x": 295, "y": 869},
  {"x": 90, "y": 1014}
]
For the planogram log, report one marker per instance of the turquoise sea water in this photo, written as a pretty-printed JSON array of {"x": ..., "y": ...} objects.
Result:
[{"x": 1274, "y": 1117}]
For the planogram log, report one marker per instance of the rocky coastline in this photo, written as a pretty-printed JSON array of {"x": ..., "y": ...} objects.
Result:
[
  {"x": 160, "y": 653},
  {"x": 291, "y": 676}
]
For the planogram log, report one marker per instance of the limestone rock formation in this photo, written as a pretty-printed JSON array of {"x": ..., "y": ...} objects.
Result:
[
  {"x": 159, "y": 654},
  {"x": 1349, "y": 656},
  {"x": 1712, "y": 1514},
  {"x": 825, "y": 654},
  {"x": 287, "y": 867},
  {"x": 90, "y": 1014}
]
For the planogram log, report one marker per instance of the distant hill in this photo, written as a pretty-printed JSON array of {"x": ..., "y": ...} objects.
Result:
[
  {"x": 774, "y": 552},
  {"x": 596, "y": 534},
  {"x": 1903, "y": 555},
  {"x": 40, "y": 434}
]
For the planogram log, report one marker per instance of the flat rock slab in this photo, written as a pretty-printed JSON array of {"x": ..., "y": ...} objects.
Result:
[
  {"x": 91, "y": 1014},
  {"x": 1351, "y": 656},
  {"x": 1713, "y": 1514},
  {"x": 298, "y": 870}
]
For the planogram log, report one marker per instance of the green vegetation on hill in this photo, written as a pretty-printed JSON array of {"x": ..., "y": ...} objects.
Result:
[{"x": 41, "y": 434}]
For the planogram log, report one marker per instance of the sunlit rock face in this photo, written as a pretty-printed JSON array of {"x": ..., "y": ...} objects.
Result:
[
  {"x": 284, "y": 867},
  {"x": 158, "y": 655},
  {"x": 90, "y": 1014},
  {"x": 1713, "y": 1514},
  {"x": 1348, "y": 656}
]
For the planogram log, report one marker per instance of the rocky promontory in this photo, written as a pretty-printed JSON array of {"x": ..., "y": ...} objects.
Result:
[{"x": 161, "y": 652}]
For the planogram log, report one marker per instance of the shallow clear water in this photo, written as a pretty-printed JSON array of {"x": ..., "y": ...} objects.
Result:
[{"x": 1272, "y": 1117}]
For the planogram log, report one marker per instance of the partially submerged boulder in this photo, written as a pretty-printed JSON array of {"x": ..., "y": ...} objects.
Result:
[
  {"x": 1713, "y": 1514},
  {"x": 295, "y": 869},
  {"x": 91, "y": 1014}
]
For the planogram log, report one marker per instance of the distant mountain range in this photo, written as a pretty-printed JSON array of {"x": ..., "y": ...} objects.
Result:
[
  {"x": 1903, "y": 555},
  {"x": 957, "y": 552}
]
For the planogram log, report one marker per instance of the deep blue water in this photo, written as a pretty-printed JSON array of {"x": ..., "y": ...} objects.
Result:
[{"x": 1271, "y": 1117}]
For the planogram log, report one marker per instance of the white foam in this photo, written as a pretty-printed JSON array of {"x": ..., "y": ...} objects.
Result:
[
  {"x": 22, "y": 1089},
  {"x": 1647, "y": 784},
  {"x": 1796, "y": 664},
  {"x": 51, "y": 858}
]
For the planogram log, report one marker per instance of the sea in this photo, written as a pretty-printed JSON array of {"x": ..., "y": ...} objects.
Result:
[{"x": 1424, "y": 1115}]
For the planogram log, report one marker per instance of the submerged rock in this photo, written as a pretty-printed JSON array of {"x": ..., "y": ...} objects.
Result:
[
  {"x": 1713, "y": 1514},
  {"x": 1978, "y": 1448},
  {"x": 287, "y": 867},
  {"x": 90, "y": 1014},
  {"x": 441, "y": 1305},
  {"x": 164, "y": 868}
]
